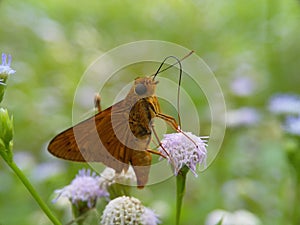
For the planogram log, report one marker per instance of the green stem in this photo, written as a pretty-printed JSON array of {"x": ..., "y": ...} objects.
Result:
[
  {"x": 293, "y": 156},
  {"x": 80, "y": 212},
  {"x": 180, "y": 183},
  {"x": 33, "y": 192},
  {"x": 296, "y": 210}
]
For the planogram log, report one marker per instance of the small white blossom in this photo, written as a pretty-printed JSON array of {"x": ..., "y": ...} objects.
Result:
[
  {"x": 184, "y": 149},
  {"x": 292, "y": 125},
  {"x": 84, "y": 188},
  {"x": 149, "y": 217},
  {"x": 5, "y": 66},
  {"x": 25, "y": 160},
  {"x": 239, "y": 217},
  {"x": 126, "y": 210},
  {"x": 46, "y": 170},
  {"x": 242, "y": 117},
  {"x": 109, "y": 177},
  {"x": 243, "y": 86},
  {"x": 285, "y": 104}
]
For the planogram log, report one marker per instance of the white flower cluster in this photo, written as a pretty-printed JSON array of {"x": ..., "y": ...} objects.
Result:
[
  {"x": 109, "y": 177},
  {"x": 126, "y": 210},
  {"x": 183, "y": 149},
  {"x": 84, "y": 188}
]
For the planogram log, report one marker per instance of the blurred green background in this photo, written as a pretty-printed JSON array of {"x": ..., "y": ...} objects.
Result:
[{"x": 53, "y": 42}]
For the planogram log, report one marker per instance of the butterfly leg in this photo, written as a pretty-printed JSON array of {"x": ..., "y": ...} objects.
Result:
[
  {"x": 157, "y": 138},
  {"x": 171, "y": 120},
  {"x": 155, "y": 153},
  {"x": 97, "y": 101},
  {"x": 167, "y": 155}
]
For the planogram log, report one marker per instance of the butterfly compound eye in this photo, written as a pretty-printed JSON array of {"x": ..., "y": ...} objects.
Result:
[{"x": 140, "y": 89}]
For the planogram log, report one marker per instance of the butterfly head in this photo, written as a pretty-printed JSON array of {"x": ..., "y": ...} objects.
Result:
[{"x": 144, "y": 87}]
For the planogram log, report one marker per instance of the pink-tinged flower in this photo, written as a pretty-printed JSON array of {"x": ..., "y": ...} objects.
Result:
[
  {"x": 126, "y": 210},
  {"x": 184, "y": 149},
  {"x": 85, "y": 188}
]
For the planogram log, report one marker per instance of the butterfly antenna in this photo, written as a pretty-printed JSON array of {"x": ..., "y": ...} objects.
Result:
[
  {"x": 177, "y": 61},
  {"x": 159, "y": 70}
]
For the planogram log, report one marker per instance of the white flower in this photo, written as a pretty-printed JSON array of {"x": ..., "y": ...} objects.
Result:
[
  {"x": 292, "y": 125},
  {"x": 285, "y": 104},
  {"x": 149, "y": 217},
  {"x": 5, "y": 67},
  {"x": 245, "y": 217},
  {"x": 242, "y": 117},
  {"x": 126, "y": 210},
  {"x": 25, "y": 160},
  {"x": 109, "y": 177},
  {"x": 84, "y": 188},
  {"x": 240, "y": 217},
  {"x": 183, "y": 149},
  {"x": 216, "y": 216},
  {"x": 243, "y": 86}
]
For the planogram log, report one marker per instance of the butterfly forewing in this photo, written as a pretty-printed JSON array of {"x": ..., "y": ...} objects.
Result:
[{"x": 98, "y": 139}]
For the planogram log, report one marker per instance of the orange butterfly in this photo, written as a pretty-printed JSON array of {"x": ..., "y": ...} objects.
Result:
[{"x": 119, "y": 135}]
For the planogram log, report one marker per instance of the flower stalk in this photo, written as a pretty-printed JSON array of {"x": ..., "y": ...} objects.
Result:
[
  {"x": 80, "y": 212},
  {"x": 180, "y": 185},
  {"x": 33, "y": 192},
  {"x": 293, "y": 156}
]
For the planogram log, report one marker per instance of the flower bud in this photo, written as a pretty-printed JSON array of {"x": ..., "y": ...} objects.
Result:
[{"x": 6, "y": 134}]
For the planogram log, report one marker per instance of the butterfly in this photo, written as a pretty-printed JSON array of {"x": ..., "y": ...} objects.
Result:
[{"x": 119, "y": 135}]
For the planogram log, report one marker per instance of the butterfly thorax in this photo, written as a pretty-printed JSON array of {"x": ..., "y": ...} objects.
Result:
[{"x": 141, "y": 115}]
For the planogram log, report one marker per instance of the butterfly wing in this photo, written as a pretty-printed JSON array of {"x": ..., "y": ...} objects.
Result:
[
  {"x": 92, "y": 140},
  {"x": 107, "y": 138}
]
